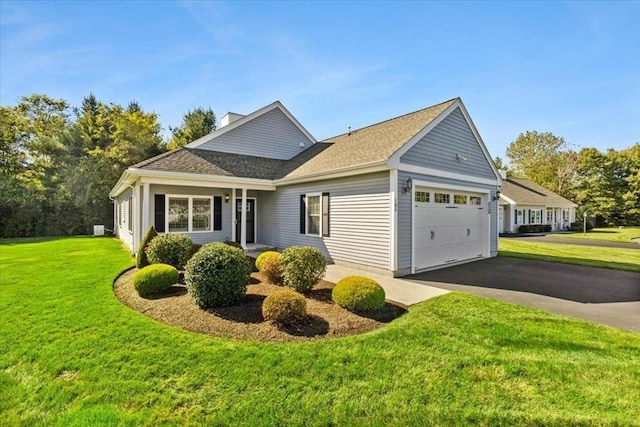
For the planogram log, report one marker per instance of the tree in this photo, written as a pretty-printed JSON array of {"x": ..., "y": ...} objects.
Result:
[
  {"x": 545, "y": 159},
  {"x": 195, "y": 124}
]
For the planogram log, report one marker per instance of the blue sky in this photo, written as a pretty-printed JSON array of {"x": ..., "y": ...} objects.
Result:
[{"x": 571, "y": 68}]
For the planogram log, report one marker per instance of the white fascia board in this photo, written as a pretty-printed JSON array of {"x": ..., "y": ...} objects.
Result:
[
  {"x": 125, "y": 180},
  {"x": 445, "y": 174},
  {"x": 432, "y": 184},
  {"x": 218, "y": 132},
  {"x": 339, "y": 173},
  {"x": 508, "y": 200},
  {"x": 198, "y": 180}
]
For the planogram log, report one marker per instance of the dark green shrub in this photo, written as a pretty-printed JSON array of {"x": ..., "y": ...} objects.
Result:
[
  {"x": 195, "y": 248},
  {"x": 217, "y": 275},
  {"x": 172, "y": 249},
  {"x": 233, "y": 244},
  {"x": 286, "y": 307},
  {"x": 155, "y": 278},
  {"x": 302, "y": 267},
  {"x": 579, "y": 226},
  {"x": 358, "y": 293},
  {"x": 269, "y": 263},
  {"x": 534, "y": 228},
  {"x": 141, "y": 256}
]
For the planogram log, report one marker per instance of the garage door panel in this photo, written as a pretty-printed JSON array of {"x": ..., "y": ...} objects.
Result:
[{"x": 446, "y": 233}]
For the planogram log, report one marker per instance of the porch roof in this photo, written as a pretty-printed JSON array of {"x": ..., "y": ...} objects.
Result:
[{"x": 524, "y": 192}]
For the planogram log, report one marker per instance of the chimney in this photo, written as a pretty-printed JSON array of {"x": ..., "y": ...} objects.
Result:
[
  {"x": 503, "y": 173},
  {"x": 229, "y": 118}
]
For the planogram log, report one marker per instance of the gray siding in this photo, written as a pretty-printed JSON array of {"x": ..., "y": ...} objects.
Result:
[
  {"x": 359, "y": 219},
  {"x": 438, "y": 149},
  {"x": 404, "y": 214},
  {"x": 121, "y": 220},
  {"x": 270, "y": 135},
  {"x": 199, "y": 237}
]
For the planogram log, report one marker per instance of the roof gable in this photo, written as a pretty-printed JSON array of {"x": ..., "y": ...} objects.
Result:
[
  {"x": 521, "y": 191},
  {"x": 270, "y": 132}
]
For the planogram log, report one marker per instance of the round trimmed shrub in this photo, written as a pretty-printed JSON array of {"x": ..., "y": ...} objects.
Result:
[
  {"x": 286, "y": 307},
  {"x": 269, "y": 263},
  {"x": 217, "y": 275},
  {"x": 172, "y": 249},
  {"x": 154, "y": 279},
  {"x": 141, "y": 255},
  {"x": 302, "y": 267},
  {"x": 358, "y": 293}
]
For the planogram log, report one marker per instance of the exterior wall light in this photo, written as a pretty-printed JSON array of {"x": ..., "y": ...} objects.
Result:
[
  {"x": 408, "y": 186},
  {"x": 226, "y": 198}
]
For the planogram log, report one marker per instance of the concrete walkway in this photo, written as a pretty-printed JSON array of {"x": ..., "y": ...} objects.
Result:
[{"x": 397, "y": 290}]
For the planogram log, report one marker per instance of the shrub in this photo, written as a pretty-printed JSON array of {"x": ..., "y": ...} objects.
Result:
[
  {"x": 155, "y": 278},
  {"x": 269, "y": 263},
  {"x": 172, "y": 249},
  {"x": 302, "y": 267},
  {"x": 141, "y": 256},
  {"x": 217, "y": 275},
  {"x": 579, "y": 226},
  {"x": 285, "y": 307},
  {"x": 535, "y": 228},
  {"x": 358, "y": 293},
  {"x": 233, "y": 244}
]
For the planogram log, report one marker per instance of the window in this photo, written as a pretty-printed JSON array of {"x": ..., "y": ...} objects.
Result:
[
  {"x": 442, "y": 197},
  {"x": 187, "y": 214},
  {"x": 535, "y": 216},
  {"x": 475, "y": 200},
  {"x": 549, "y": 216},
  {"x": 314, "y": 214},
  {"x": 422, "y": 196},
  {"x": 459, "y": 199},
  {"x": 519, "y": 216},
  {"x": 129, "y": 213}
]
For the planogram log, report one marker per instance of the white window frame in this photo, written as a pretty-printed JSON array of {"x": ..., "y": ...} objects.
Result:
[
  {"x": 306, "y": 214},
  {"x": 535, "y": 216},
  {"x": 520, "y": 213},
  {"x": 189, "y": 213}
]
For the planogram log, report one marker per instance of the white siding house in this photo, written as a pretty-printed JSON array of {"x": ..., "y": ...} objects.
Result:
[{"x": 408, "y": 194}]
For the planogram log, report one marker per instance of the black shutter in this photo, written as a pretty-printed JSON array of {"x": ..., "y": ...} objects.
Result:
[
  {"x": 303, "y": 213},
  {"x": 159, "y": 212},
  {"x": 217, "y": 213},
  {"x": 325, "y": 215}
]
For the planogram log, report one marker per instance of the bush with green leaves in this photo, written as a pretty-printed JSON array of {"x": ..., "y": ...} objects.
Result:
[
  {"x": 141, "y": 255},
  {"x": 302, "y": 267},
  {"x": 217, "y": 275},
  {"x": 154, "y": 279},
  {"x": 358, "y": 293},
  {"x": 172, "y": 249},
  {"x": 285, "y": 307},
  {"x": 269, "y": 263}
]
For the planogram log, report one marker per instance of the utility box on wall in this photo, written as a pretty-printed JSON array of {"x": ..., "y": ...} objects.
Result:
[{"x": 98, "y": 230}]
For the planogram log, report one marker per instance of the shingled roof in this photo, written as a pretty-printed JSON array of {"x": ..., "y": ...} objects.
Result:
[
  {"x": 371, "y": 144},
  {"x": 525, "y": 192}
]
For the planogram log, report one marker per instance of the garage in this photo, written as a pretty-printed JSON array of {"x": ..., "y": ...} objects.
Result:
[{"x": 450, "y": 226}]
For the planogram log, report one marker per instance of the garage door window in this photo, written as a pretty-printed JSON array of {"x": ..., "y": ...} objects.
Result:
[
  {"x": 475, "y": 200},
  {"x": 459, "y": 199},
  {"x": 442, "y": 198},
  {"x": 422, "y": 196}
]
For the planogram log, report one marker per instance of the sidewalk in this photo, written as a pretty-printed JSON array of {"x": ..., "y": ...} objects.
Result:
[{"x": 396, "y": 290}]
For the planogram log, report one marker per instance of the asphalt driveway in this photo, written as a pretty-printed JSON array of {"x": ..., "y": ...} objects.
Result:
[{"x": 610, "y": 297}]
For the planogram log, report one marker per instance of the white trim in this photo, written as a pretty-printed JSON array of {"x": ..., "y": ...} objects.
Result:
[
  {"x": 306, "y": 214},
  {"x": 506, "y": 199},
  {"x": 393, "y": 220},
  {"x": 135, "y": 217},
  {"x": 145, "y": 207},
  {"x": 339, "y": 173},
  {"x": 445, "y": 174},
  {"x": 243, "y": 219},
  {"x": 277, "y": 104},
  {"x": 190, "y": 198},
  {"x": 234, "y": 217},
  {"x": 486, "y": 251},
  {"x": 199, "y": 180}
]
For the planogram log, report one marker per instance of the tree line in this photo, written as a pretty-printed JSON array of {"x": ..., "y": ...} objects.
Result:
[
  {"x": 58, "y": 162},
  {"x": 606, "y": 185}
]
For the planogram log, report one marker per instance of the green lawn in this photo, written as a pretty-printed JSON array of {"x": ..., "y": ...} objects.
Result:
[
  {"x": 72, "y": 355},
  {"x": 614, "y": 258},
  {"x": 624, "y": 235}
]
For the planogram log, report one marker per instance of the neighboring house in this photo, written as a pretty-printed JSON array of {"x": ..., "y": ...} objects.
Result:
[
  {"x": 408, "y": 194},
  {"x": 523, "y": 202}
]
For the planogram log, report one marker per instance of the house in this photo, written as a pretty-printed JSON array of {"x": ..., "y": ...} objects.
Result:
[
  {"x": 523, "y": 202},
  {"x": 408, "y": 194}
]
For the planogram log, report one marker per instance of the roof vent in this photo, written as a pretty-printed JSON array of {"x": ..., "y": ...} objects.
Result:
[
  {"x": 348, "y": 130},
  {"x": 229, "y": 118}
]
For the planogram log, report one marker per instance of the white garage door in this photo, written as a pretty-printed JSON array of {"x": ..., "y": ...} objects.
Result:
[{"x": 450, "y": 226}]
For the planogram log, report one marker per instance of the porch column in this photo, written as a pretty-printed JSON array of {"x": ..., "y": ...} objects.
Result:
[
  {"x": 145, "y": 208},
  {"x": 243, "y": 222},
  {"x": 512, "y": 218},
  {"x": 234, "y": 216},
  {"x": 135, "y": 227}
]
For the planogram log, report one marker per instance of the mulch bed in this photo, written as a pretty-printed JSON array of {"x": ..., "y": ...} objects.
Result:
[{"x": 245, "y": 322}]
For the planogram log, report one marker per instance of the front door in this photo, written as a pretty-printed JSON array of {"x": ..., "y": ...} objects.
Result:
[{"x": 251, "y": 217}]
